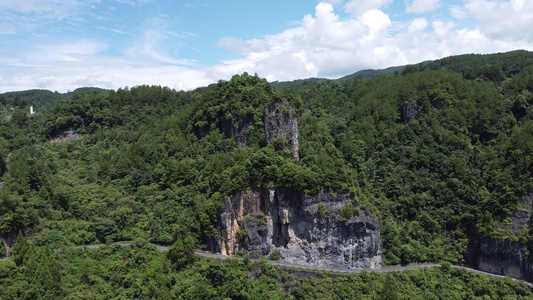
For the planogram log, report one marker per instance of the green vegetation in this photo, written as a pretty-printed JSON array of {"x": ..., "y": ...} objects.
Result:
[
  {"x": 275, "y": 255},
  {"x": 322, "y": 210},
  {"x": 257, "y": 218},
  {"x": 156, "y": 164},
  {"x": 40, "y": 99},
  {"x": 143, "y": 272},
  {"x": 349, "y": 211}
]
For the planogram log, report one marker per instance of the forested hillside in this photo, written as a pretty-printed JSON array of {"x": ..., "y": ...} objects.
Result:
[
  {"x": 39, "y": 99},
  {"x": 440, "y": 152}
]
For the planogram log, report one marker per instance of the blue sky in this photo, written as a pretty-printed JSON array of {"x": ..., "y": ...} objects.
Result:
[{"x": 64, "y": 44}]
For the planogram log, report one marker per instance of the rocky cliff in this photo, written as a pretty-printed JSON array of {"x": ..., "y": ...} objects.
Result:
[
  {"x": 7, "y": 240},
  {"x": 407, "y": 112},
  {"x": 304, "y": 229},
  {"x": 64, "y": 136},
  {"x": 281, "y": 127},
  {"x": 506, "y": 257}
]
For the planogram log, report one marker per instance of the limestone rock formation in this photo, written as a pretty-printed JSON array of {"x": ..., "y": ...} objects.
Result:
[
  {"x": 263, "y": 220},
  {"x": 281, "y": 126},
  {"x": 238, "y": 129},
  {"x": 506, "y": 257},
  {"x": 407, "y": 112},
  {"x": 521, "y": 218}
]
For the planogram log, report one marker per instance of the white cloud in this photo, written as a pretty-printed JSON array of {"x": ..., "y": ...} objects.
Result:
[
  {"x": 334, "y": 2},
  {"x": 151, "y": 46},
  {"x": 323, "y": 44},
  {"x": 417, "y": 25},
  {"x": 22, "y": 17},
  {"x": 458, "y": 12},
  {"x": 67, "y": 67},
  {"x": 65, "y": 52},
  {"x": 158, "y": 42},
  {"x": 376, "y": 21},
  {"x": 112, "y": 30},
  {"x": 359, "y": 7},
  {"x": 327, "y": 46},
  {"x": 506, "y": 20},
  {"x": 238, "y": 45},
  {"x": 421, "y": 6}
]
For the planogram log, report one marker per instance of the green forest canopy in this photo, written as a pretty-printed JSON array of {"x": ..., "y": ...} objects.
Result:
[{"x": 140, "y": 170}]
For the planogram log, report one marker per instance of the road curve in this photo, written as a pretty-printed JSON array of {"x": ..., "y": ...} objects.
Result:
[
  {"x": 381, "y": 270},
  {"x": 327, "y": 269}
]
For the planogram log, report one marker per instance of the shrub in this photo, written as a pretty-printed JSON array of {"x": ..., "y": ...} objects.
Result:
[{"x": 274, "y": 255}]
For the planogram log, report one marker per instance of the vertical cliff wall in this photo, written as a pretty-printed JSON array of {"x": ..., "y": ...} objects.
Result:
[
  {"x": 407, "y": 112},
  {"x": 506, "y": 257},
  {"x": 305, "y": 230},
  {"x": 238, "y": 129},
  {"x": 281, "y": 124}
]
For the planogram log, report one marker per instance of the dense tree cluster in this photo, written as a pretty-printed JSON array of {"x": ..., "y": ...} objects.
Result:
[{"x": 143, "y": 272}]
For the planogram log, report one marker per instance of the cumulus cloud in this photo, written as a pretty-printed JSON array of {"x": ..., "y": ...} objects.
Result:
[
  {"x": 505, "y": 20},
  {"x": 422, "y": 6},
  {"x": 417, "y": 25},
  {"x": 325, "y": 45}
]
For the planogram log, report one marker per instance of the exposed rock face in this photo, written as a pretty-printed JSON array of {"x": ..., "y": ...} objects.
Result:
[
  {"x": 7, "y": 240},
  {"x": 521, "y": 218},
  {"x": 408, "y": 112},
  {"x": 506, "y": 257},
  {"x": 262, "y": 220},
  {"x": 6, "y": 162},
  {"x": 238, "y": 129},
  {"x": 68, "y": 135},
  {"x": 281, "y": 124}
]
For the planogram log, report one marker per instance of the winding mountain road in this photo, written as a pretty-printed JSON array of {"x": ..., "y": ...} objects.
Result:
[{"x": 327, "y": 269}]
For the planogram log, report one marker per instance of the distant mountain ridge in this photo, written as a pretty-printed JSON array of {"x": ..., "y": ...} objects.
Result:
[
  {"x": 41, "y": 99},
  {"x": 495, "y": 66}
]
